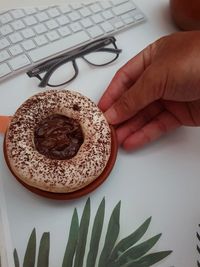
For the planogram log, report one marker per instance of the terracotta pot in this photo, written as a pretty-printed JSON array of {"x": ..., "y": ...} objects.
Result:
[{"x": 186, "y": 14}]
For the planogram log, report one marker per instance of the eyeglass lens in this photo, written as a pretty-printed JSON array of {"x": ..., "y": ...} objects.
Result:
[
  {"x": 66, "y": 72},
  {"x": 102, "y": 56}
]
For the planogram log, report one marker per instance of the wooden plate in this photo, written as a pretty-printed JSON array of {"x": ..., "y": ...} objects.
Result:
[{"x": 83, "y": 191}]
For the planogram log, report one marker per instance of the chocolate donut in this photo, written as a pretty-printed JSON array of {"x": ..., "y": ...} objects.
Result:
[{"x": 58, "y": 141}]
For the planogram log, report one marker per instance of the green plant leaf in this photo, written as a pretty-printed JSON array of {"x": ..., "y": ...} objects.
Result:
[
  {"x": 72, "y": 241},
  {"x": 148, "y": 260},
  {"x": 125, "y": 253},
  {"x": 43, "y": 255},
  {"x": 130, "y": 240},
  {"x": 16, "y": 258},
  {"x": 96, "y": 235},
  {"x": 82, "y": 236},
  {"x": 29, "y": 258},
  {"x": 138, "y": 251},
  {"x": 111, "y": 236}
]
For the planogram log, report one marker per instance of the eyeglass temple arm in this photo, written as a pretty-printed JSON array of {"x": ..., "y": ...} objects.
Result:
[
  {"x": 112, "y": 50},
  {"x": 43, "y": 67}
]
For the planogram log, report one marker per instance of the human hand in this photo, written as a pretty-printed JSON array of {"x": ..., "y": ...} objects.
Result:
[{"x": 156, "y": 91}]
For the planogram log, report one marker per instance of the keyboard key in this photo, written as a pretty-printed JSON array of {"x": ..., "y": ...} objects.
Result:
[
  {"x": 95, "y": 31},
  {"x": 41, "y": 40},
  {"x": 105, "y": 4},
  {"x": 52, "y": 36},
  {"x": 6, "y": 29},
  {"x": 19, "y": 62},
  {"x": 97, "y": 18},
  {"x": 18, "y": 25},
  {"x": 125, "y": 16},
  {"x": 27, "y": 33},
  {"x": 65, "y": 9},
  {"x": 42, "y": 8},
  {"x": 85, "y": 12},
  {"x": 75, "y": 27},
  {"x": 119, "y": 10},
  {"x": 118, "y": 24},
  {"x": 42, "y": 16},
  {"x": 30, "y": 11},
  {"x": 17, "y": 13},
  {"x": 74, "y": 16},
  {"x": 64, "y": 31},
  {"x": 4, "y": 43},
  {"x": 15, "y": 37},
  {"x": 86, "y": 22},
  {"x": 58, "y": 46},
  {"x": 28, "y": 45},
  {"x": 40, "y": 28},
  {"x": 53, "y": 12},
  {"x": 63, "y": 20},
  {"x": 4, "y": 55},
  {"x": 138, "y": 17},
  {"x": 30, "y": 20},
  {"x": 76, "y": 5},
  {"x": 95, "y": 8},
  {"x": 88, "y": 2},
  {"x": 16, "y": 50},
  {"x": 107, "y": 26},
  {"x": 5, "y": 18},
  {"x": 128, "y": 20},
  {"x": 4, "y": 69},
  {"x": 52, "y": 24},
  {"x": 108, "y": 14}
]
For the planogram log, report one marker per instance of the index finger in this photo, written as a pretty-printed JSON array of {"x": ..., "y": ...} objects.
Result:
[{"x": 125, "y": 78}]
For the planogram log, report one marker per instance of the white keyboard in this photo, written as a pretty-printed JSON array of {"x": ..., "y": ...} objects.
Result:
[{"x": 29, "y": 36}]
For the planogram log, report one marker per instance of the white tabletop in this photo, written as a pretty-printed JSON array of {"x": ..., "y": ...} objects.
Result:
[{"x": 161, "y": 180}]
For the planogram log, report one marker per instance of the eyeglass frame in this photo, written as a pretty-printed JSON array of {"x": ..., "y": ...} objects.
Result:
[{"x": 54, "y": 63}]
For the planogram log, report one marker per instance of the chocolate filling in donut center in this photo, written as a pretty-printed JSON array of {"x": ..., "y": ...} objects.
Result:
[{"x": 58, "y": 137}]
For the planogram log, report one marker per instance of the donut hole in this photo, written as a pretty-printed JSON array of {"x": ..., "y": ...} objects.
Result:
[{"x": 58, "y": 137}]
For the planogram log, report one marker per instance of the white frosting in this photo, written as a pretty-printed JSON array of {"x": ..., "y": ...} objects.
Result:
[{"x": 60, "y": 176}]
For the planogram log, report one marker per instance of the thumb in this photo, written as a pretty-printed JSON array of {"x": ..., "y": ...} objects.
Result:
[{"x": 147, "y": 89}]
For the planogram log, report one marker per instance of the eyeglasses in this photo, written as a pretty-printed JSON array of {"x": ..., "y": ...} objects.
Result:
[{"x": 63, "y": 68}]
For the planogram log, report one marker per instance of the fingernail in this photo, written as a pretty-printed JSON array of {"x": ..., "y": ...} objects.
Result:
[{"x": 111, "y": 115}]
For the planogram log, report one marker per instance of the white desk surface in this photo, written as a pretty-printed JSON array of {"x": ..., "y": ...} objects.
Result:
[{"x": 161, "y": 180}]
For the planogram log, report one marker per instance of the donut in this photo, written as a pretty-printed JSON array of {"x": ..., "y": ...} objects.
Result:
[{"x": 58, "y": 141}]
